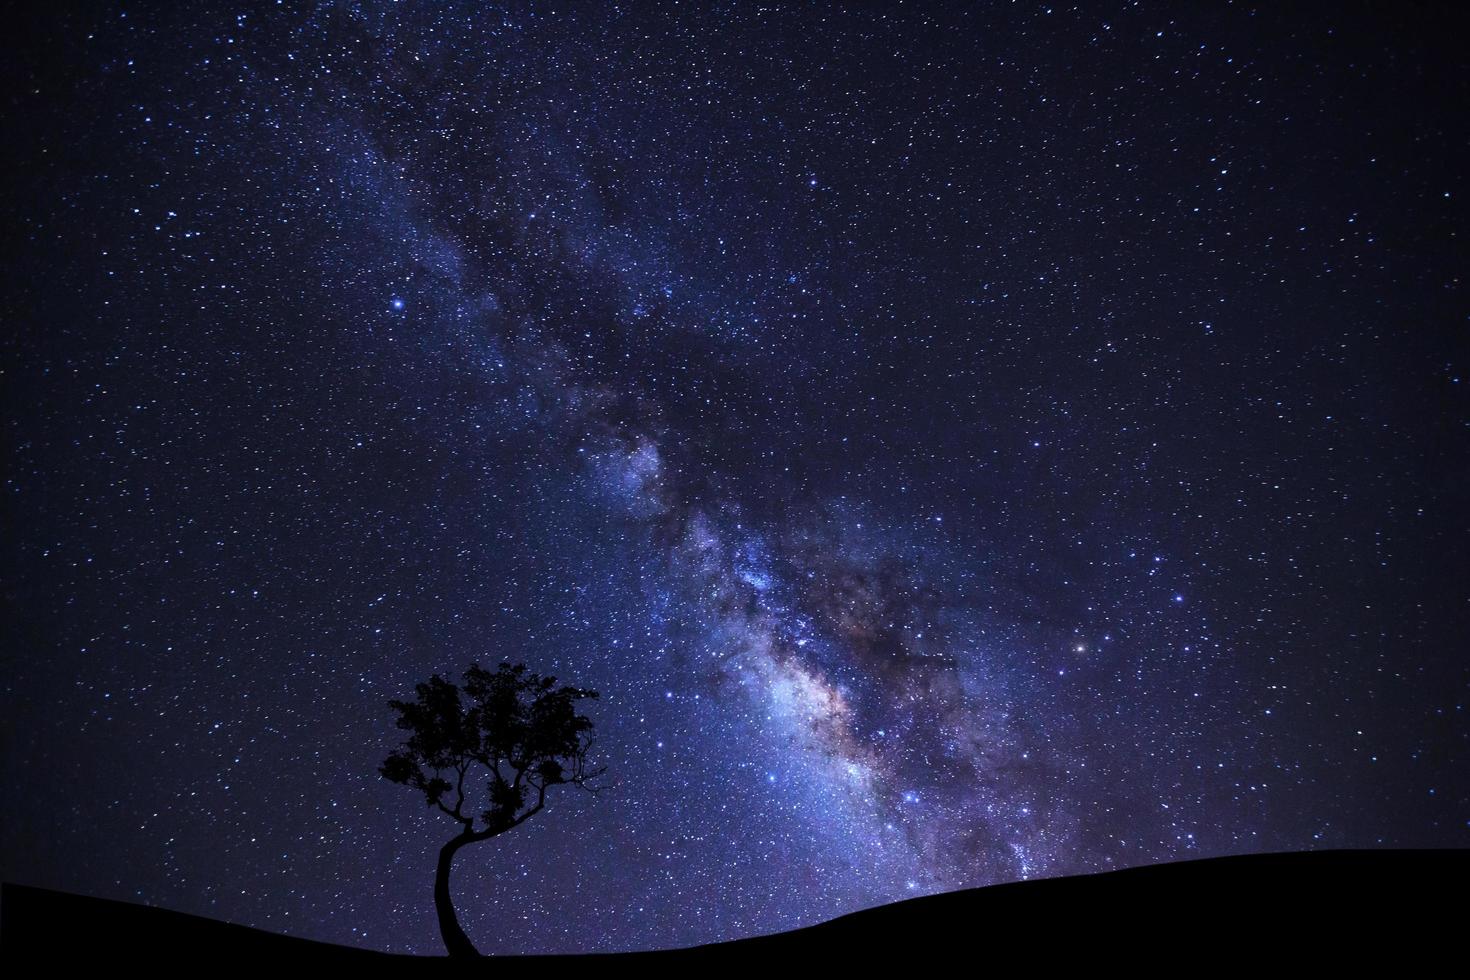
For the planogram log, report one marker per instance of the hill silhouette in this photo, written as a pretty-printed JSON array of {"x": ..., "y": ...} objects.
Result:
[{"x": 1315, "y": 909}]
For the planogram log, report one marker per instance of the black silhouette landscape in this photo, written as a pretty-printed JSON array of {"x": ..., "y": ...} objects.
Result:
[{"x": 1308, "y": 907}]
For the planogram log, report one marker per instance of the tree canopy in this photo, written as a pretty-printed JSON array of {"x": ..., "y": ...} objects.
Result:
[{"x": 518, "y": 726}]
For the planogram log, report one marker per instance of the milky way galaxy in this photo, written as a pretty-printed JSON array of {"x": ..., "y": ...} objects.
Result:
[{"x": 959, "y": 446}]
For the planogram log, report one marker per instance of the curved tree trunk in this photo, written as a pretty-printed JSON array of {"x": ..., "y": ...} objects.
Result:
[{"x": 455, "y": 940}]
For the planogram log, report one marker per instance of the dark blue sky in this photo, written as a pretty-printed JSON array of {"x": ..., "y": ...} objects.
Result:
[{"x": 960, "y": 445}]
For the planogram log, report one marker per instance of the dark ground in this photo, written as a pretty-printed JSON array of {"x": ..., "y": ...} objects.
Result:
[{"x": 1310, "y": 910}]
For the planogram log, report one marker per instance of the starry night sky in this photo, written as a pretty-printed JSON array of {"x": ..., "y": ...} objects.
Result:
[{"x": 960, "y": 446}]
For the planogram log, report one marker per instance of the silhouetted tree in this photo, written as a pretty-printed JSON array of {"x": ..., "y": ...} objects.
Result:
[{"x": 514, "y": 729}]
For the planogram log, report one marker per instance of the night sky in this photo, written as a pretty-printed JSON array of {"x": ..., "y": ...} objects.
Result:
[{"x": 960, "y": 445}]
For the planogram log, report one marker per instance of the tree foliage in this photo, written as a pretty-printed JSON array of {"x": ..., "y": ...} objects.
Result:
[{"x": 513, "y": 728}]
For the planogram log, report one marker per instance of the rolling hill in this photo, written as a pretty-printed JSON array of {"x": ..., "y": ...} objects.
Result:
[{"x": 1309, "y": 910}]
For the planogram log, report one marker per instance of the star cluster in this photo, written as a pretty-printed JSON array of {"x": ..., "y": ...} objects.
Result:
[{"x": 961, "y": 446}]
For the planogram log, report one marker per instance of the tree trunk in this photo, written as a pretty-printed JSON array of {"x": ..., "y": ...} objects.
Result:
[{"x": 455, "y": 940}]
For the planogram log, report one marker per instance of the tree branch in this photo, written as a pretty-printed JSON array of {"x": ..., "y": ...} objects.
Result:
[
  {"x": 492, "y": 831},
  {"x": 459, "y": 790}
]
